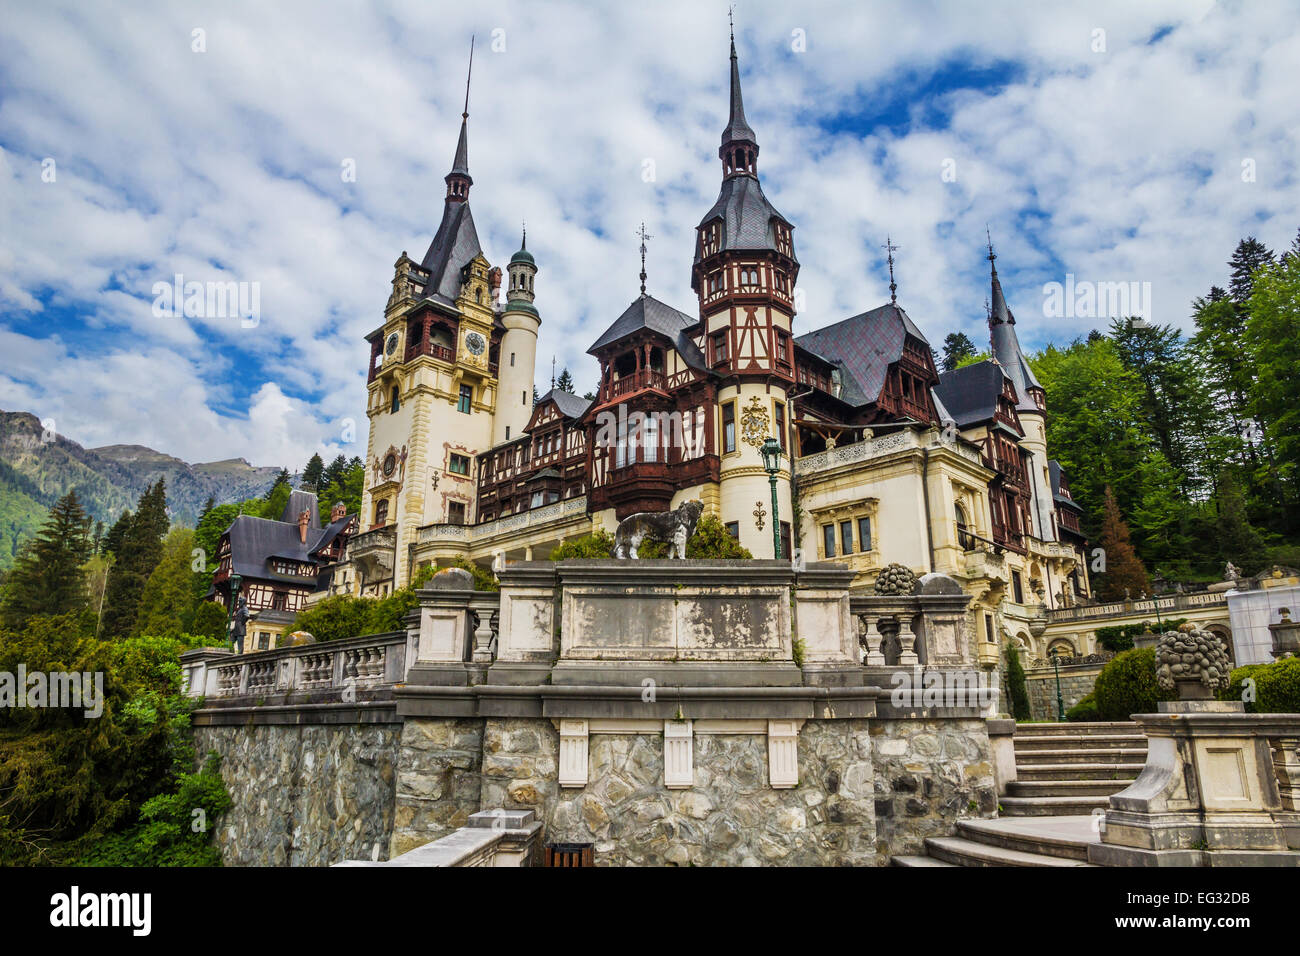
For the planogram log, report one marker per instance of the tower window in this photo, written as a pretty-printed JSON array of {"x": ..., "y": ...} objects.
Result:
[
  {"x": 729, "y": 427},
  {"x": 466, "y": 396},
  {"x": 720, "y": 347},
  {"x": 779, "y": 416},
  {"x": 733, "y": 529},
  {"x": 512, "y": 359},
  {"x": 459, "y": 465},
  {"x": 455, "y": 512},
  {"x": 397, "y": 401}
]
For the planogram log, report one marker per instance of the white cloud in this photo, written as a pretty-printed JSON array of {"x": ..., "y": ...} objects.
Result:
[{"x": 1117, "y": 165}]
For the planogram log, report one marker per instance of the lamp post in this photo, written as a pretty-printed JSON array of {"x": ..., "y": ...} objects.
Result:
[
  {"x": 771, "y": 452},
  {"x": 1060, "y": 702}
]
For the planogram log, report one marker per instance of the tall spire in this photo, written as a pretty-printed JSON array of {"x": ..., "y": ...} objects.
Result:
[
  {"x": 644, "y": 236},
  {"x": 739, "y": 149},
  {"x": 999, "y": 314},
  {"x": 459, "y": 180},
  {"x": 890, "y": 249}
]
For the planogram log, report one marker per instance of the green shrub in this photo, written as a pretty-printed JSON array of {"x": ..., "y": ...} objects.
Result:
[
  {"x": 1085, "y": 710},
  {"x": 210, "y": 622},
  {"x": 1120, "y": 637},
  {"x": 1127, "y": 685},
  {"x": 1276, "y": 690},
  {"x": 1016, "y": 688},
  {"x": 598, "y": 544},
  {"x": 335, "y": 618}
]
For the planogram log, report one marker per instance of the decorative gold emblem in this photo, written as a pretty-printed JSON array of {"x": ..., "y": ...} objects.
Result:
[
  {"x": 759, "y": 512},
  {"x": 753, "y": 422}
]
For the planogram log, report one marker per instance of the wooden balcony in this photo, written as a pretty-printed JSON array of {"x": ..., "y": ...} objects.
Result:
[{"x": 636, "y": 382}]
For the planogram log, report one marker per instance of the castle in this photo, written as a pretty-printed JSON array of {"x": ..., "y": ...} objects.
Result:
[{"x": 884, "y": 459}]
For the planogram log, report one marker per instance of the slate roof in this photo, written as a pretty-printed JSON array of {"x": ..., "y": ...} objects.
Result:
[
  {"x": 570, "y": 405},
  {"x": 1006, "y": 348},
  {"x": 647, "y": 312},
  {"x": 746, "y": 217},
  {"x": 863, "y": 347},
  {"x": 1054, "y": 475},
  {"x": 738, "y": 129},
  {"x": 254, "y": 541},
  {"x": 453, "y": 246},
  {"x": 970, "y": 393}
]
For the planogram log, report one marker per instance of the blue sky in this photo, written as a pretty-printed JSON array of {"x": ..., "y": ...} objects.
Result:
[{"x": 1108, "y": 142}]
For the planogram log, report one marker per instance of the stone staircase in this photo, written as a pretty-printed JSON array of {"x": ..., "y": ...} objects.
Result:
[
  {"x": 1063, "y": 773},
  {"x": 1070, "y": 769}
]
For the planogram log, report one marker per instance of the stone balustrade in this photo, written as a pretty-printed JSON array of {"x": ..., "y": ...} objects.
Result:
[
  {"x": 337, "y": 667},
  {"x": 534, "y": 517},
  {"x": 872, "y": 448},
  {"x": 1165, "y": 604}
]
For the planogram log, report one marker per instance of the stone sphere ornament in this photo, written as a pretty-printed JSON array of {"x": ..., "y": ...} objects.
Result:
[
  {"x": 1193, "y": 661},
  {"x": 895, "y": 579}
]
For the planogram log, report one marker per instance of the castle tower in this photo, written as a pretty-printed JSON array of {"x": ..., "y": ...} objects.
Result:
[
  {"x": 518, "y": 352},
  {"x": 744, "y": 276},
  {"x": 1031, "y": 404}
]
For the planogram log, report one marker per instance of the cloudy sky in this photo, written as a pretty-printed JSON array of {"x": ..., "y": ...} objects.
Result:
[{"x": 1125, "y": 142}]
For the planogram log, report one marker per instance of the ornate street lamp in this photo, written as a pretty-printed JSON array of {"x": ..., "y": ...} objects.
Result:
[
  {"x": 1060, "y": 702},
  {"x": 771, "y": 452}
]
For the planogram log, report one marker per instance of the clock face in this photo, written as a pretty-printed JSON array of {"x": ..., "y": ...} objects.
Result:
[
  {"x": 391, "y": 347},
  {"x": 475, "y": 343},
  {"x": 390, "y": 465}
]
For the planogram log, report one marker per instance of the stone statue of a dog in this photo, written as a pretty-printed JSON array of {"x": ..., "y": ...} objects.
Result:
[{"x": 675, "y": 527}]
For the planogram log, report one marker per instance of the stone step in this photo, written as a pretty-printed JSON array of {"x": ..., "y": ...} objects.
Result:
[
  {"x": 1051, "y": 806},
  {"x": 1118, "y": 755},
  {"x": 1085, "y": 729},
  {"x": 1065, "y": 837},
  {"x": 1065, "y": 788},
  {"x": 1092, "y": 742},
  {"x": 1079, "y": 771},
  {"x": 963, "y": 852},
  {"x": 917, "y": 861}
]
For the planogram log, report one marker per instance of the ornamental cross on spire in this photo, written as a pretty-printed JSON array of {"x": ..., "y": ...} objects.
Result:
[
  {"x": 644, "y": 236},
  {"x": 890, "y": 249}
]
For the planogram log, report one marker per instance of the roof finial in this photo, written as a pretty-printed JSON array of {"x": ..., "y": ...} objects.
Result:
[
  {"x": 552, "y": 370},
  {"x": 644, "y": 236},
  {"x": 468, "y": 74},
  {"x": 991, "y": 255},
  {"x": 731, "y": 20},
  {"x": 524, "y": 244},
  {"x": 890, "y": 249}
]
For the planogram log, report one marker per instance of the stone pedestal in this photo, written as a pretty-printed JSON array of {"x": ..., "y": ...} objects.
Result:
[{"x": 1211, "y": 793}]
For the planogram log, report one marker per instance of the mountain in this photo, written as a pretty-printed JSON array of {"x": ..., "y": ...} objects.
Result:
[{"x": 35, "y": 472}]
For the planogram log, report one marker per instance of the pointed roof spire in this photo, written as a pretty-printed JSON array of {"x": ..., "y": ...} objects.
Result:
[
  {"x": 459, "y": 180},
  {"x": 644, "y": 236},
  {"x": 738, "y": 130},
  {"x": 890, "y": 249},
  {"x": 998, "y": 311}
]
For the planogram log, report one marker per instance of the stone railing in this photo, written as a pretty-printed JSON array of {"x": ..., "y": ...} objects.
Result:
[
  {"x": 534, "y": 517},
  {"x": 358, "y": 663},
  {"x": 875, "y": 448},
  {"x": 492, "y": 838},
  {"x": 907, "y": 630},
  {"x": 1165, "y": 603}
]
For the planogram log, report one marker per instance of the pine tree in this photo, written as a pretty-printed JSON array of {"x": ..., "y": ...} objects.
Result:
[
  {"x": 1249, "y": 256},
  {"x": 112, "y": 541},
  {"x": 138, "y": 555},
  {"x": 333, "y": 474},
  {"x": 283, "y": 478},
  {"x": 956, "y": 346},
  {"x": 48, "y": 577},
  {"x": 565, "y": 382},
  {"x": 167, "y": 600},
  {"x": 313, "y": 474},
  {"x": 1125, "y": 575},
  {"x": 1237, "y": 539}
]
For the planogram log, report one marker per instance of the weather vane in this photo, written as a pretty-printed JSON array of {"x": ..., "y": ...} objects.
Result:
[
  {"x": 468, "y": 74},
  {"x": 991, "y": 255},
  {"x": 890, "y": 249},
  {"x": 644, "y": 236}
]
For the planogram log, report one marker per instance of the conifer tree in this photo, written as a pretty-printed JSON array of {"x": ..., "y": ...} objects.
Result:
[
  {"x": 1124, "y": 569},
  {"x": 168, "y": 598},
  {"x": 956, "y": 346},
  {"x": 314, "y": 473},
  {"x": 565, "y": 382},
  {"x": 48, "y": 577},
  {"x": 140, "y": 551}
]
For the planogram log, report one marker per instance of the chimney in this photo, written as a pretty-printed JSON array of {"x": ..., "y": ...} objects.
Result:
[{"x": 304, "y": 519}]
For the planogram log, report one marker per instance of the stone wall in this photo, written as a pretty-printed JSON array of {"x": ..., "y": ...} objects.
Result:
[
  {"x": 308, "y": 795},
  {"x": 1077, "y": 682},
  {"x": 867, "y": 789}
]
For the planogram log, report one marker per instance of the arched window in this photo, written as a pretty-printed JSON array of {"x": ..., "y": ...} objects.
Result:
[
  {"x": 381, "y": 512},
  {"x": 397, "y": 401},
  {"x": 963, "y": 529}
]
